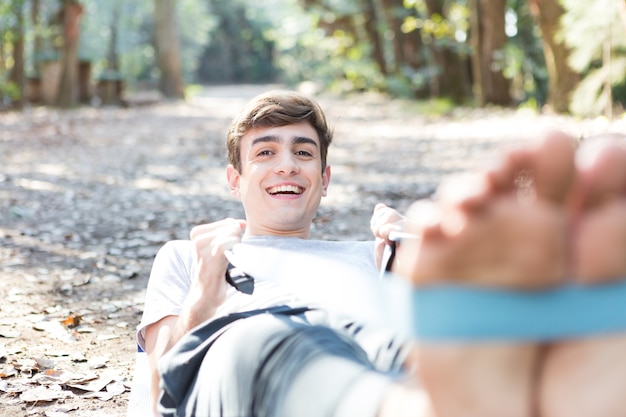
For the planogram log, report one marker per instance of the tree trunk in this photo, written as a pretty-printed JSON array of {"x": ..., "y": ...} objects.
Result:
[
  {"x": 112, "y": 58},
  {"x": 451, "y": 81},
  {"x": 371, "y": 27},
  {"x": 38, "y": 42},
  {"x": 17, "y": 75},
  {"x": 408, "y": 48},
  {"x": 562, "y": 80},
  {"x": 167, "y": 46},
  {"x": 68, "y": 93},
  {"x": 394, "y": 22},
  {"x": 488, "y": 39}
]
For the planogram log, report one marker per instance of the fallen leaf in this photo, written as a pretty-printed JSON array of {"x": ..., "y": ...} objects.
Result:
[
  {"x": 83, "y": 379},
  {"x": 9, "y": 333},
  {"x": 7, "y": 371},
  {"x": 61, "y": 410},
  {"x": 54, "y": 329},
  {"x": 51, "y": 376},
  {"x": 72, "y": 321},
  {"x": 44, "y": 364},
  {"x": 78, "y": 357},
  {"x": 12, "y": 387},
  {"x": 45, "y": 393},
  {"x": 25, "y": 366},
  {"x": 98, "y": 362},
  {"x": 93, "y": 386},
  {"x": 116, "y": 388},
  {"x": 107, "y": 336}
]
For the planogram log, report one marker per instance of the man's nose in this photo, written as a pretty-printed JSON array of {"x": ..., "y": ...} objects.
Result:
[{"x": 288, "y": 164}]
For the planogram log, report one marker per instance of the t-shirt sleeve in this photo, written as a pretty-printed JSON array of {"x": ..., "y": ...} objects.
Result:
[{"x": 168, "y": 284}]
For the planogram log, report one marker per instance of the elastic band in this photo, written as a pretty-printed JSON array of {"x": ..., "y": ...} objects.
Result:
[{"x": 461, "y": 313}]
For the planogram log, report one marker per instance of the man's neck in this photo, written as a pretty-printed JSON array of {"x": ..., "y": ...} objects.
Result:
[{"x": 263, "y": 232}]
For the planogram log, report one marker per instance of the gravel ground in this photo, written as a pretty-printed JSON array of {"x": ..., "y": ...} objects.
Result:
[{"x": 88, "y": 196}]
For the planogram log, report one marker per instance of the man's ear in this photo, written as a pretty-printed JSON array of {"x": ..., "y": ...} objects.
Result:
[
  {"x": 233, "y": 177},
  {"x": 325, "y": 180}
]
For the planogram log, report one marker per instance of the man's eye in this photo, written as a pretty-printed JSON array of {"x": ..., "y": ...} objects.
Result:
[
  {"x": 265, "y": 152},
  {"x": 304, "y": 153}
]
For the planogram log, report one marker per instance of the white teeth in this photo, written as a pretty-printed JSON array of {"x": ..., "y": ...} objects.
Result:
[{"x": 291, "y": 189}]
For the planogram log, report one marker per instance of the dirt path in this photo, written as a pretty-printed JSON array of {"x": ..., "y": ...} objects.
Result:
[{"x": 88, "y": 196}]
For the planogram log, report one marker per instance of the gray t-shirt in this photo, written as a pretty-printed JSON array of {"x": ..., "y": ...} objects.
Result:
[{"x": 287, "y": 271}]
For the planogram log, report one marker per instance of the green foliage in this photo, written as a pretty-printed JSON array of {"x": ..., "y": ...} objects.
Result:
[
  {"x": 525, "y": 63},
  {"x": 439, "y": 106},
  {"x": 592, "y": 29},
  {"x": 450, "y": 29},
  {"x": 592, "y": 95},
  {"x": 10, "y": 31},
  {"x": 587, "y": 26},
  {"x": 133, "y": 23},
  {"x": 316, "y": 45},
  {"x": 239, "y": 48},
  {"x": 9, "y": 92},
  {"x": 327, "y": 42},
  {"x": 319, "y": 45}
]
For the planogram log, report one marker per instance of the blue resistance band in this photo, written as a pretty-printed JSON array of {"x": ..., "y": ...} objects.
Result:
[{"x": 463, "y": 313}]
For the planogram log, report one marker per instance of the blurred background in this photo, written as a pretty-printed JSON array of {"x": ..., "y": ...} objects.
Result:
[{"x": 562, "y": 56}]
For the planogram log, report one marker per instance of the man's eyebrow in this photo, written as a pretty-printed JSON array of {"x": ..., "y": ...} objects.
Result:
[
  {"x": 301, "y": 140},
  {"x": 298, "y": 140},
  {"x": 265, "y": 139}
]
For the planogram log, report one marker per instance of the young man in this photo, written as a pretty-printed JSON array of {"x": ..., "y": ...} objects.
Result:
[{"x": 296, "y": 361}]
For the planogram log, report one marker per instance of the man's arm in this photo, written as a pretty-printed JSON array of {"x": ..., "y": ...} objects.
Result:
[
  {"x": 157, "y": 339},
  {"x": 206, "y": 293}
]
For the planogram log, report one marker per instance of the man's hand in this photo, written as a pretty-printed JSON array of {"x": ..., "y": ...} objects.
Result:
[
  {"x": 383, "y": 223},
  {"x": 210, "y": 241}
]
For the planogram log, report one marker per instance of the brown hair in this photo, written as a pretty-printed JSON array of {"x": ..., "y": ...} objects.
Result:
[{"x": 277, "y": 108}]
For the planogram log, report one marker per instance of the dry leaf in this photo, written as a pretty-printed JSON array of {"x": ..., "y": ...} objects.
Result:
[
  {"x": 51, "y": 376},
  {"x": 12, "y": 387},
  {"x": 54, "y": 329},
  {"x": 25, "y": 366},
  {"x": 116, "y": 388},
  {"x": 95, "y": 385},
  {"x": 9, "y": 333},
  {"x": 44, "y": 364},
  {"x": 98, "y": 362},
  {"x": 72, "y": 321},
  {"x": 45, "y": 393},
  {"x": 7, "y": 371}
]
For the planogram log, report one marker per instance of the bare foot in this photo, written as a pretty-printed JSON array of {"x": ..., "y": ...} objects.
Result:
[
  {"x": 504, "y": 228},
  {"x": 586, "y": 377},
  {"x": 599, "y": 249},
  {"x": 510, "y": 232}
]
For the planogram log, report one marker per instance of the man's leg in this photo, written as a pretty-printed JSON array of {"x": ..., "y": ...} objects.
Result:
[
  {"x": 587, "y": 377},
  {"x": 506, "y": 228},
  {"x": 273, "y": 365}
]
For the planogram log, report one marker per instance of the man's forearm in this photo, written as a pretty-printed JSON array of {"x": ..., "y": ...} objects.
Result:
[{"x": 166, "y": 333}]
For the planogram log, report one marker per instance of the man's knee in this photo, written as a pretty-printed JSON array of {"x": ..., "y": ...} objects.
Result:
[
  {"x": 225, "y": 383},
  {"x": 238, "y": 351}
]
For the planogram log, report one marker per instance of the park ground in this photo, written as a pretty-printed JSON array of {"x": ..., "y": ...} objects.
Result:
[{"x": 87, "y": 196}]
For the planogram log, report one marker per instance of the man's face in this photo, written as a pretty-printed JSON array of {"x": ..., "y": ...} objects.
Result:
[{"x": 281, "y": 181}]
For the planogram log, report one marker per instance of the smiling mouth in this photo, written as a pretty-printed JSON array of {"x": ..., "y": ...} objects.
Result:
[{"x": 285, "y": 190}]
